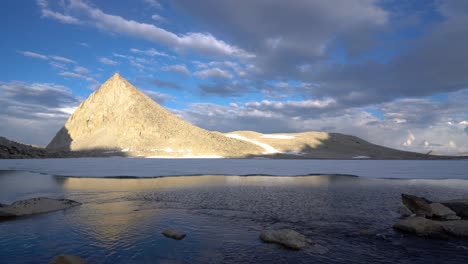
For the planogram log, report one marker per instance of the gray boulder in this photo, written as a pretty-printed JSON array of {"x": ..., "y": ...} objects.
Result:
[
  {"x": 418, "y": 205},
  {"x": 173, "y": 234},
  {"x": 459, "y": 206},
  {"x": 285, "y": 237},
  {"x": 422, "y": 227},
  {"x": 442, "y": 212}
]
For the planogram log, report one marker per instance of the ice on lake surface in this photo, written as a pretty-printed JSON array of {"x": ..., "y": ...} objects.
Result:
[{"x": 138, "y": 167}]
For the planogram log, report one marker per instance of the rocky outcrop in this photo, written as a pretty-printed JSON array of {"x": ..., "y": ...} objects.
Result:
[
  {"x": 68, "y": 259},
  {"x": 35, "y": 206},
  {"x": 432, "y": 219},
  {"x": 173, "y": 234},
  {"x": 418, "y": 205},
  {"x": 285, "y": 237}
]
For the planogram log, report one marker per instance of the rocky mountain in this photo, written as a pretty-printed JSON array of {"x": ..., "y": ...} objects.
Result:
[{"x": 120, "y": 118}]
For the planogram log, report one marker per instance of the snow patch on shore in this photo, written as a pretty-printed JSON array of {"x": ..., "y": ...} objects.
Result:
[{"x": 268, "y": 149}]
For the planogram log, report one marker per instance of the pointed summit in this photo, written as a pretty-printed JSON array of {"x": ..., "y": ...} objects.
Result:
[{"x": 118, "y": 116}]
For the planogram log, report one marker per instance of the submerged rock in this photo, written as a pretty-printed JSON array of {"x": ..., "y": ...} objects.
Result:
[
  {"x": 442, "y": 212},
  {"x": 418, "y": 205},
  {"x": 286, "y": 237},
  {"x": 459, "y": 206},
  {"x": 68, "y": 259},
  {"x": 36, "y": 206},
  {"x": 421, "y": 226},
  {"x": 173, "y": 234}
]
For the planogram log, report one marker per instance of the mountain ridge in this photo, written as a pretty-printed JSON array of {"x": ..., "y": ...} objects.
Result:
[{"x": 119, "y": 119}]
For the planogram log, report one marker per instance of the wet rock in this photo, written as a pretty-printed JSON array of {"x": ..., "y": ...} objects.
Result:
[
  {"x": 457, "y": 228},
  {"x": 459, "y": 206},
  {"x": 421, "y": 226},
  {"x": 286, "y": 237},
  {"x": 36, "y": 206},
  {"x": 418, "y": 205},
  {"x": 404, "y": 211},
  {"x": 68, "y": 259},
  {"x": 173, "y": 234},
  {"x": 440, "y": 211}
]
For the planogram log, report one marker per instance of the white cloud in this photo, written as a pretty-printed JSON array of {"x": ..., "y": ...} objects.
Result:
[
  {"x": 34, "y": 55},
  {"x": 62, "y": 59},
  {"x": 158, "y": 18},
  {"x": 108, "y": 61},
  {"x": 81, "y": 70},
  {"x": 46, "y": 57},
  {"x": 199, "y": 42},
  {"x": 46, "y": 12},
  {"x": 213, "y": 73},
  {"x": 154, "y": 3}
]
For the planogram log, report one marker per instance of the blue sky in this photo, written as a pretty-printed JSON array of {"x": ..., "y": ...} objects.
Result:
[{"x": 392, "y": 72}]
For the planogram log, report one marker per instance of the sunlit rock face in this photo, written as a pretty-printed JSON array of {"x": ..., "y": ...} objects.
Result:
[{"x": 119, "y": 117}]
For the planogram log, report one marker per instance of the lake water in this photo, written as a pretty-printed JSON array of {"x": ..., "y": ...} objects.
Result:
[{"x": 120, "y": 220}]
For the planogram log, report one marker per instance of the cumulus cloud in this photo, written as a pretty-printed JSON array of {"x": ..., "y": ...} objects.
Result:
[
  {"x": 426, "y": 129},
  {"x": 38, "y": 107},
  {"x": 200, "y": 42},
  {"x": 158, "y": 18}
]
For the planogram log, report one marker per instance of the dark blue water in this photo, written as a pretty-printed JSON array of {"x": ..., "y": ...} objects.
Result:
[{"x": 120, "y": 220}]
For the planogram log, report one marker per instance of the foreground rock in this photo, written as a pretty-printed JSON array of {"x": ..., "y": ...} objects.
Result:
[
  {"x": 421, "y": 226},
  {"x": 36, "y": 206},
  {"x": 68, "y": 259},
  {"x": 285, "y": 237},
  {"x": 173, "y": 234},
  {"x": 436, "y": 220}
]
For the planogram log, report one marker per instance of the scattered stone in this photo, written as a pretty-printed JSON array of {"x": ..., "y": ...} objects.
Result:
[
  {"x": 418, "y": 205},
  {"x": 173, "y": 234},
  {"x": 442, "y": 212},
  {"x": 421, "y": 226},
  {"x": 68, "y": 259},
  {"x": 404, "y": 211},
  {"x": 36, "y": 206},
  {"x": 459, "y": 206},
  {"x": 286, "y": 237}
]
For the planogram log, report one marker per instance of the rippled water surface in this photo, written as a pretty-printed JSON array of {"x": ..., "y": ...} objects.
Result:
[{"x": 120, "y": 220}]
